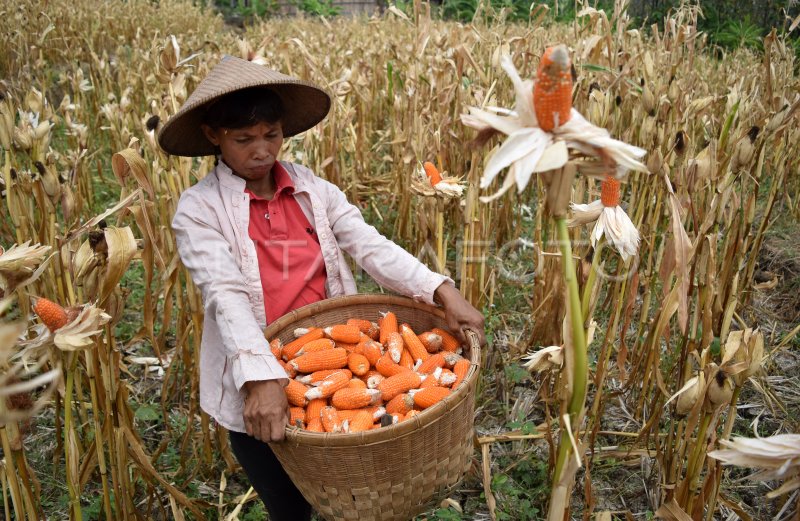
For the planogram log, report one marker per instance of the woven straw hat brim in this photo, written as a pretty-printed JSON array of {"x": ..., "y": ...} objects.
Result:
[{"x": 304, "y": 104}]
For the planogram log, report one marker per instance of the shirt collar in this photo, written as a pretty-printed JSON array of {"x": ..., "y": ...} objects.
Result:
[
  {"x": 283, "y": 183},
  {"x": 283, "y": 179}
]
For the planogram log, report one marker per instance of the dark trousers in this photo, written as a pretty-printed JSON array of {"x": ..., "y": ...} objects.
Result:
[{"x": 282, "y": 499}]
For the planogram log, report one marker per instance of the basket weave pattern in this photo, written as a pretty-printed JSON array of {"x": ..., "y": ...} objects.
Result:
[{"x": 392, "y": 473}]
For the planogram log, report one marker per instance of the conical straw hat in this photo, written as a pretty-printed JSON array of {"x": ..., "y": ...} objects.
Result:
[{"x": 304, "y": 104}]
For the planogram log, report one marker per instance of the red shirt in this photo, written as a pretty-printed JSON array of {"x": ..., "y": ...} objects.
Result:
[{"x": 289, "y": 256}]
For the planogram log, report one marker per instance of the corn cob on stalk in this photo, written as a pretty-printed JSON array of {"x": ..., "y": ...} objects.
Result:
[
  {"x": 52, "y": 314},
  {"x": 552, "y": 93}
]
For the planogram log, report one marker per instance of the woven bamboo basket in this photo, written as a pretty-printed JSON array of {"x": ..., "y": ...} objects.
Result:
[{"x": 391, "y": 473}]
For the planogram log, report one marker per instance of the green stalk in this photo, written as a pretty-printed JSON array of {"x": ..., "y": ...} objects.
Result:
[
  {"x": 590, "y": 282},
  {"x": 696, "y": 463},
  {"x": 578, "y": 346}
]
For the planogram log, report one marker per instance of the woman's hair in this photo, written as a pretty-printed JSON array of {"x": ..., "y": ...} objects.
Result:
[{"x": 244, "y": 108}]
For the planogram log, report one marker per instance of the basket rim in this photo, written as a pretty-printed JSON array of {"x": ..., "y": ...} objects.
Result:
[{"x": 297, "y": 436}]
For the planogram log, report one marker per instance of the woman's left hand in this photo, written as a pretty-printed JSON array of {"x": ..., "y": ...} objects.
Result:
[{"x": 460, "y": 314}]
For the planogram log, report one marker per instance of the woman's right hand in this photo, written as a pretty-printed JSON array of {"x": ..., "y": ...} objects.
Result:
[{"x": 266, "y": 410}]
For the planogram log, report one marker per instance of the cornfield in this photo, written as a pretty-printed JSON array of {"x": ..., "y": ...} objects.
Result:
[{"x": 101, "y": 420}]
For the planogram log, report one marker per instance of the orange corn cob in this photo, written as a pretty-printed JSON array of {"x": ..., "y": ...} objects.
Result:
[
  {"x": 296, "y": 393},
  {"x": 374, "y": 411},
  {"x": 406, "y": 360},
  {"x": 413, "y": 344},
  {"x": 355, "y": 398},
  {"x": 372, "y": 350},
  {"x": 366, "y": 327},
  {"x": 372, "y": 372},
  {"x": 411, "y": 414},
  {"x": 447, "y": 378},
  {"x": 318, "y": 376},
  {"x": 431, "y": 341},
  {"x": 290, "y": 350},
  {"x": 315, "y": 425},
  {"x": 314, "y": 346},
  {"x": 276, "y": 346},
  {"x": 398, "y": 384},
  {"x": 429, "y": 365},
  {"x": 360, "y": 422},
  {"x": 330, "y": 420},
  {"x": 424, "y": 398},
  {"x": 357, "y": 363},
  {"x": 449, "y": 342},
  {"x": 335, "y": 358},
  {"x": 388, "y": 324},
  {"x": 432, "y": 172},
  {"x": 328, "y": 386},
  {"x": 357, "y": 383},
  {"x": 460, "y": 369},
  {"x": 297, "y": 414},
  {"x": 290, "y": 372},
  {"x": 344, "y": 333},
  {"x": 609, "y": 192},
  {"x": 387, "y": 367},
  {"x": 451, "y": 359},
  {"x": 432, "y": 379},
  {"x": 52, "y": 314},
  {"x": 351, "y": 348},
  {"x": 552, "y": 93},
  {"x": 348, "y": 414},
  {"x": 374, "y": 379},
  {"x": 394, "y": 346},
  {"x": 400, "y": 404},
  {"x": 314, "y": 407}
]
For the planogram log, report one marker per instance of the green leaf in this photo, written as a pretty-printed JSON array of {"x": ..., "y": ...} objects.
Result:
[{"x": 147, "y": 412}]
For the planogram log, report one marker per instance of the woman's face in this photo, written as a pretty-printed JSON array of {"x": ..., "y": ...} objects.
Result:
[{"x": 249, "y": 151}]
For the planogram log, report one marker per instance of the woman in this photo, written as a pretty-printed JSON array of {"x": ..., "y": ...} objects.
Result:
[{"x": 262, "y": 237}]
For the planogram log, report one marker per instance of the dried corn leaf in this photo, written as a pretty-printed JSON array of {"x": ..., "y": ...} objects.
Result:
[
  {"x": 22, "y": 264},
  {"x": 91, "y": 223},
  {"x": 683, "y": 247},
  {"x": 130, "y": 162},
  {"x": 121, "y": 249},
  {"x": 143, "y": 461},
  {"x": 671, "y": 511},
  {"x": 486, "y": 465}
]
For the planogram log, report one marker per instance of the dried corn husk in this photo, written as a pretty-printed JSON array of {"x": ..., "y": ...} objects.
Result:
[
  {"x": 688, "y": 395},
  {"x": 22, "y": 264},
  {"x": 720, "y": 389},
  {"x": 743, "y": 354},
  {"x": 549, "y": 358},
  {"x": 776, "y": 457},
  {"x": 79, "y": 333},
  {"x": 448, "y": 187}
]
